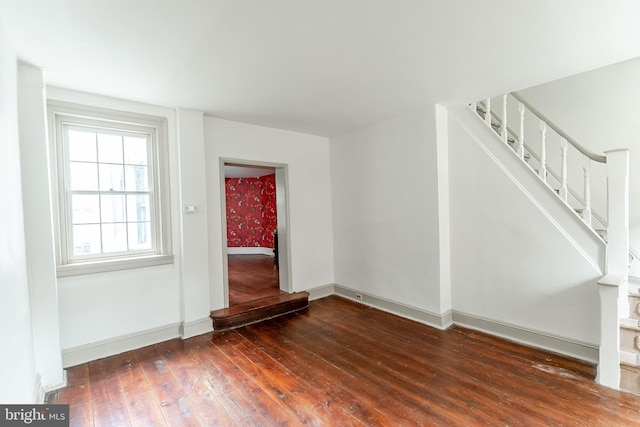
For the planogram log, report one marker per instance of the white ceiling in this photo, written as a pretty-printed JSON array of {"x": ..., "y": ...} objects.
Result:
[{"x": 323, "y": 67}]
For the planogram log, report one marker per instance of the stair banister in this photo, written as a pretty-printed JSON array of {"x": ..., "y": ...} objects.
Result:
[
  {"x": 543, "y": 151},
  {"x": 520, "y": 149},
  {"x": 503, "y": 128},
  {"x": 487, "y": 116},
  {"x": 580, "y": 148},
  {"x": 525, "y": 147},
  {"x": 613, "y": 286},
  {"x": 586, "y": 213},
  {"x": 563, "y": 170}
]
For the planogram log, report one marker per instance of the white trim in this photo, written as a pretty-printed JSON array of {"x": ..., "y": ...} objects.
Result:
[
  {"x": 87, "y": 352},
  {"x": 440, "y": 321},
  {"x": 321, "y": 292},
  {"x": 590, "y": 245},
  {"x": 38, "y": 392},
  {"x": 532, "y": 338},
  {"x": 112, "y": 265},
  {"x": 254, "y": 250},
  {"x": 62, "y": 114},
  {"x": 529, "y": 337},
  {"x": 45, "y": 390},
  {"x": 196, "y": 327}
]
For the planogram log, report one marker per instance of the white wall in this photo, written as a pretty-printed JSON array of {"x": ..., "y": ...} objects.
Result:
[
  {"x": 194, "y": 244},
  {"x": 600, "y": 110},
  {"x": 38, "y": 233},
  {"x": 17, "y": 362},
  {"x": 509, "y": 262},
  {"x": 385, "y": 211},
  {"x": 309, "y": 197},
  {"x": 109, "y": 306}
]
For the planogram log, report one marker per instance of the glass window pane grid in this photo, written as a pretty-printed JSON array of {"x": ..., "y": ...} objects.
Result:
[
  {"x": 126, "y": 223},
  {"x": 122, "y": 244}
]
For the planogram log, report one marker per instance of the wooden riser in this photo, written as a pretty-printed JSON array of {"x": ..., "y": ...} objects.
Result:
[
  {"x": 630, "y": 378},
  {"x": 256, "y": 311},
  {"x": 634, "y": 306}
]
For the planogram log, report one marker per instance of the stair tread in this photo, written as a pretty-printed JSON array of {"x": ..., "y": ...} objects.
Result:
[
  {"x": 629, "y": 358},
  {"x": 628, "y": 323}
]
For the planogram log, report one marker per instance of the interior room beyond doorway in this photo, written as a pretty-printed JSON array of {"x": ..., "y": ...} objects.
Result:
[{"x": 251, "y": 223}]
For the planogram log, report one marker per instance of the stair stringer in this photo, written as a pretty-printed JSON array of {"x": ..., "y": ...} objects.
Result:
[{"x": 582, "y": 237}]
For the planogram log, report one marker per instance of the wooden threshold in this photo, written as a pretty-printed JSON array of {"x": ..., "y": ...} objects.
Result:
[{"x": 258, "y": 310}]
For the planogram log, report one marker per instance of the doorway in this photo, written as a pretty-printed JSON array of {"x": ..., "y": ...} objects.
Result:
[{"x": 255, "y": 230}]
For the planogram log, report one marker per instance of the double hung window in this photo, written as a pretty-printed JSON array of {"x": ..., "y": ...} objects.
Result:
[{"x": 111, "y": 198}]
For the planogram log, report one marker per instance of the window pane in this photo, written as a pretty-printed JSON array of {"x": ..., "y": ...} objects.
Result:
[
  {"x": 84, "y": 176},
  {"x": 86, "y": 239},
  {"x": 82, "y": 145},
  {"x": 85, "y": 209},
  {"x": 112, "y": 208},
  {"x": 111, "y": 178},
  {"x": 137, "y": 178},
  {"x": 114, "y": 238},
  {"x": 139, "y": 236},
  {"x": 109, "y": 148},
  {"x": 135, "y": 150},
  {"x": 138, "y": 208}
]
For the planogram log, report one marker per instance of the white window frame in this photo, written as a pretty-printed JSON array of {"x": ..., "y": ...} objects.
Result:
[{"x": 62, "y": 115}]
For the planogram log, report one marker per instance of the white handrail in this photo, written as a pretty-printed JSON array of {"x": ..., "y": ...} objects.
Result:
[
  {"x": 593, "y": 156},
  {"x": 521, "y": 145}
]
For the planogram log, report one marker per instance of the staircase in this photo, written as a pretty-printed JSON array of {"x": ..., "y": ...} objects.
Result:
[
  {"x": 258, "y": 310},
  {"x": 630, "y": 341},
  {"x": 545, "y": 149}
]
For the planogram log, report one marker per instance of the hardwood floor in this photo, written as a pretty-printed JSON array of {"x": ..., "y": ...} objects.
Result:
[
  {"x": 251, "y": 277},
  {"x": 342, "y": 363}
]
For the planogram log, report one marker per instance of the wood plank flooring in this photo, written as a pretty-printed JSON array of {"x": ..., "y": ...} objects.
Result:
[
  {"x": 339, "y": 363},
  {"x": 251, "y": 277}
]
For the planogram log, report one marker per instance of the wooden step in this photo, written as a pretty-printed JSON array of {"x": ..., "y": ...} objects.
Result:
[
  {"x": 629, "y": 372},
  {"x": 259, "y": 310},
  {"x": 629, "y": 335}
]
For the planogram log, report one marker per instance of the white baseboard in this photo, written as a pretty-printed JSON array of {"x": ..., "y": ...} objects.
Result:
[
  {"x": 196, "y": 327},
  {"x": 250, "y": 251},
  {"x": 440, "y": 321},
  {"x": 572, "y": 348},
  {"x": 60, "y": 385},
  {"x": 580, "y": 350},
  {"x": 97, "y": 350},
  {"x": 321, "y": 292}
]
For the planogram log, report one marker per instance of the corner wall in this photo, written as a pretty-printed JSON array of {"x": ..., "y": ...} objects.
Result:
[
  {"x": 107, "y": 313},
  {"x": 385, "y": 211},
  {"x": 20, "y": 382}
]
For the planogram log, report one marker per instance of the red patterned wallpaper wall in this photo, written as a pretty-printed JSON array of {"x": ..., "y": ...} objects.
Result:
[{"x": 251, "y": 211}]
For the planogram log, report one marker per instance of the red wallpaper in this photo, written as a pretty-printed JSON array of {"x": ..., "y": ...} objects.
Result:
[{"x": 251, "y": 211}]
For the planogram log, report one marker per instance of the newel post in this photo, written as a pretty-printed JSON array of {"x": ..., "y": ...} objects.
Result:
[
  {"x": 614, "y": 285},
  {"x": 618, "y": 211}
]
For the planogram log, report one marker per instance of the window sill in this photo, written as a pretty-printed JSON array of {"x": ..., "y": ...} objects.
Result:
[{"x": 112, "y": 265}]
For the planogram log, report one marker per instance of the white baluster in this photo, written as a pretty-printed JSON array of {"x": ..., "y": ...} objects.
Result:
[
  {"x": 563, "y": 169},
  {"x": 520, "y": 149},
  {"x": 543, "y": 151},
  {"x": 586, "y": 213},
  {"x": 487, "y": 115},
  {"x": 503, "y": 130}
]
